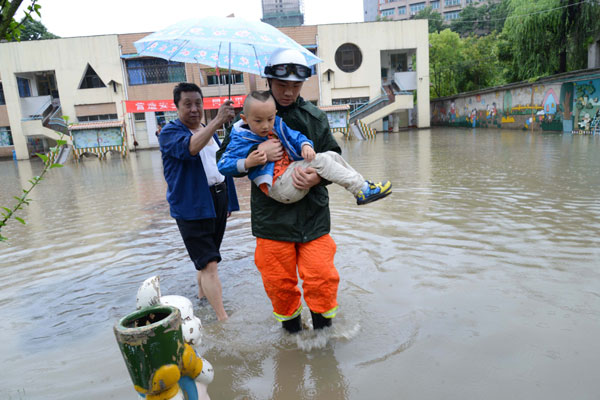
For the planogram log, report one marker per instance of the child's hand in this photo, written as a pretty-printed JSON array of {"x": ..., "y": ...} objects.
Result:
[
  {"x": 308, "y": 153},
  {"x": 257, "y": 157}
]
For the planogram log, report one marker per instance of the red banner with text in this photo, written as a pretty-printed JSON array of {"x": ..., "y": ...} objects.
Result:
[{"x": 210, "y": 103}]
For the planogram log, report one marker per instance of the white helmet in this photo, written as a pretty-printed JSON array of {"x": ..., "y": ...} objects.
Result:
[{"x": 288, "y": 65}]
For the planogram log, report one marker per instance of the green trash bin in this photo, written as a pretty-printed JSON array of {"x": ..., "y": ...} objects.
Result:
[{"x": 149, "y": 339}]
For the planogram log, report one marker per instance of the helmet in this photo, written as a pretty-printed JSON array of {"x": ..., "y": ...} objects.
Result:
[{"x": 287, "y": 65}]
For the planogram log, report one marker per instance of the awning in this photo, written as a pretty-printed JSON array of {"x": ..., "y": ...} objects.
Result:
[
  {"x": 340, "y": 107},
  {"x": 96, "y": 125}
]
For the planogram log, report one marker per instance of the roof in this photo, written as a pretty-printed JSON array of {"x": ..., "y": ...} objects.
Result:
[
  {"x": 340, "y": 107},
  {"x": 96, "y": 125}
]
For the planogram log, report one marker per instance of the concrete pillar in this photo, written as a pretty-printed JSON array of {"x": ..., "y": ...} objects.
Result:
[{"x": 396, "y": 126}]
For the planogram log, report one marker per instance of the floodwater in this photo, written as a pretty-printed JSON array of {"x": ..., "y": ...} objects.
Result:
[{"x": 479, "y": 277}]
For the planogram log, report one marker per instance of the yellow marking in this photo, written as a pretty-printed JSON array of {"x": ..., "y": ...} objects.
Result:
[
  {"x": 192, "y": 364},
  {"x": 165, "y": 383}
]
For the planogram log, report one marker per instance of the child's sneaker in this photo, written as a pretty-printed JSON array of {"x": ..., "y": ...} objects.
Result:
[{"x": 374, "y": 191}]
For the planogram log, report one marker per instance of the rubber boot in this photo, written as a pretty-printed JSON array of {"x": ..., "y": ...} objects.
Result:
[
  {"x": 293, "y": 325},
  {"x": 319, "y": 321}
]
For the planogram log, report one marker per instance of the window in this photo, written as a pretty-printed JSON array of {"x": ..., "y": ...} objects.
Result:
[
  {"x": 139, "y": 117},
  {"x": 388, "y": 12},
  {"x": 91, "y": 79},
  {"x": 451, "y": 15},
  {"x": 401, "y": 10},
  {"x": 435, "y": 5},
  {"x": 24, "y": 88},
  {"x": 237, "y": 77},
  {"x": 162, "y": 117},
  {"x": 2, "y": 99},
  {"x": 5, "y": 136},
  {"x": 348, "y": 57},
  {"x": 449, "y": 3},
  {"x": 415, "y": 8},
  {"x": 354, "y": 102},
  {"x": 398, "y": 62},
  {"x": 102, "y": 117},
  {"x": 146, "y": 71}
]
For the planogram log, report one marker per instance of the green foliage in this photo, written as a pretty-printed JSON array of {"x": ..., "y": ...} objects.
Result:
[
  {"x": 549, "y": 36},
  {"x": 436, "y": 23},
  {"x": 481, "y": 20},
  {"x": 24, "y": 199},
  {"x": 35, "y": 30},
  {"x": 445, "y": 55},
  {"x": 10, "y": 28}
]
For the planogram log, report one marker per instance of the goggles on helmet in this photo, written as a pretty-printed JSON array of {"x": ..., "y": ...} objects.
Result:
[{"x": 285, "y": 70}]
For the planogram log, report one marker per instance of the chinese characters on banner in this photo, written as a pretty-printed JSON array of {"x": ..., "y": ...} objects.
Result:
[{"x": 210, "y": 103}]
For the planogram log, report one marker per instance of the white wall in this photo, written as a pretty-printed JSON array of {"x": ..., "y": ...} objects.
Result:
[
  {"x": 372, "y": 38},
  {"x": 68, "y": 58}
]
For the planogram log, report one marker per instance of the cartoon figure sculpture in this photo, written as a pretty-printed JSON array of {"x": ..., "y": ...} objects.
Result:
[{"x": 156, "y": 342}]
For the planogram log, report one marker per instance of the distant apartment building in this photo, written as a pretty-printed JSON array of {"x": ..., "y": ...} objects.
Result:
[
  {"x": 283, "y": 13},
  {"x": 404, "y": 9}
]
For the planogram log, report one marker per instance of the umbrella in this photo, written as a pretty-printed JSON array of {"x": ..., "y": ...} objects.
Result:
[{"x": 226, "y": 42}]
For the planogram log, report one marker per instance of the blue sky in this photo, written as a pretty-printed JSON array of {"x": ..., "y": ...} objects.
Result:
[{"x": 67, "y": 18}]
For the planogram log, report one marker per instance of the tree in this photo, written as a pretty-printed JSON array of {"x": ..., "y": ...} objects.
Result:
[
  {"x": 480, "y": 67},
  {"x": 10, "y": 28},
  {"x": 35, "y": 30},
  {"x": 445, "y": 57},
  {"x": 481, "y": 20},
  {"x": 435, "y": 19},
  {"x": 546, "y": 37}
]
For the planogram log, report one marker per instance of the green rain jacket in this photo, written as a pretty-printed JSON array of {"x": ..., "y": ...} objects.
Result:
[{"x": 309, "y": 218}]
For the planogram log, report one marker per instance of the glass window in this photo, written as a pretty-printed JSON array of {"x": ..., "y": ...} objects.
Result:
[
  {"x": 139, "y": 116},
  {"x": 91, "y": 79},
  {"x": 451, "y": 15},
  {"x": 146, "y": 71},
  {"x": 388, "y": 12},
  {"x": 452, "y": 3},
  {"x": 415, "y": 8},
  {"x": 348, "y": 57},
  {"x": 435, "y": 5},
  {"x": 2, "y": 100},
  {"x": 24, "y": 88},
  {"x": 212, "y": 80},
  {"x": 101, "y": 117},
  {"x": 354, "y": 102},
  {"x": 401, "y": 10}
]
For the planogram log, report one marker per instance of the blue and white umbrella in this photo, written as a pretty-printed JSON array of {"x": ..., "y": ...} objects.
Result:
[{"x": 232, "y": 43}]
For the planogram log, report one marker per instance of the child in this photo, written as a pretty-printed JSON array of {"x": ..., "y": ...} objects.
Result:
[{"x": 257, "y": 125}]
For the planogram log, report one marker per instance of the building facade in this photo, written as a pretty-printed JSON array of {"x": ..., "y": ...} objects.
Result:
[
  {"x": 100, "y": 82},
  {"x": 281, "y": 13},
  {"x": 398, "y": 10},
  {"x": 370, "y": 67}
]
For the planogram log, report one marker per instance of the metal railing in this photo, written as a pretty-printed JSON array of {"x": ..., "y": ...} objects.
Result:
[{"x": 372, "y": 106}]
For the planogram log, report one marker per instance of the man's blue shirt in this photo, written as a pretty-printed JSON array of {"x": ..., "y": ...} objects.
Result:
[{"x": 188, "y": 193}]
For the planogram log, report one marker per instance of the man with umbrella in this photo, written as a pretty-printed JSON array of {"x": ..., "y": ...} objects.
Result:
[
  {"x": 199, "y": 197},
  {"x": 293, "y": 239}
]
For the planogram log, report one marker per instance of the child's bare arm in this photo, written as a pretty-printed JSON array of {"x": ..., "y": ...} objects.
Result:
[
  {"x": 257, "y": 157},
  {"x": 308, "y": 153}
]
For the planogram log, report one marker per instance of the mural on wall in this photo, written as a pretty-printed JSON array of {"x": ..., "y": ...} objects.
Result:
[
  {"x": 534, "y": 107},
  {"x": 587, "y": 107}
]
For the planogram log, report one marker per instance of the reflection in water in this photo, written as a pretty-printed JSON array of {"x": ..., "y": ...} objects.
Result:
[{"x": 477, "y": 278}]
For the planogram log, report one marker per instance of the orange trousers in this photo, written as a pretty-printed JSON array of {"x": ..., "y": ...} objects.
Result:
[{"x": 277, "y": 262}]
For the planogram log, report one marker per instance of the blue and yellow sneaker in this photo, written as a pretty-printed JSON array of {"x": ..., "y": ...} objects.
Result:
[{"x": 373, "y": 191}]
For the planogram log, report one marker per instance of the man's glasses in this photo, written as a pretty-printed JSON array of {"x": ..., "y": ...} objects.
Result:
[{"x": 285, "y": 70}]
